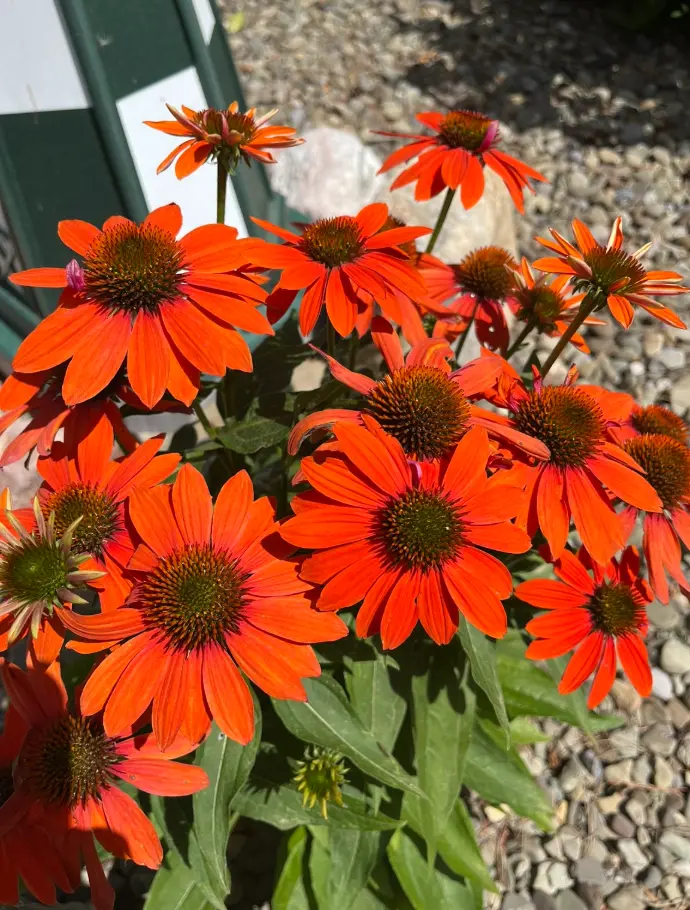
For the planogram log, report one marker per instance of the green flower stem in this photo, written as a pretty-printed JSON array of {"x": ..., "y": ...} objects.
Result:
[
  {"x": 586, "y": 307},
  {"x": 221, "y": 192},
  {"x": 330, "y": 338},
  {"x": 203, "y": 419},
  {"x": 352, "y": 352},
  {"x": 529, "y": 325},
  {"x": 440, "y": 221},
  {"x": 468, "y": 329}
]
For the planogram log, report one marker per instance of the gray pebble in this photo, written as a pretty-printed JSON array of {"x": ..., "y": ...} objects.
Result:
[
  {"x": 663, "y": 773},
  {"x": 652, "y": 878},
  {"x": 633, "y": 855},
  {"x": 675, "y": 656},
  {"x": 619, "y": 772},
  {"x": 543, "y": 901},
  {"x": 636, "y": 805},
  {"x": 568, "y": 900},
  {"x": 662, "y": 686},
  {"x": 660, "y": 739},
  {"x": 622, "y": 826},
  {"x": 631, "y": 897},
  {"x": 676, "y": 844},
  {"x": 519, "y": 901},
  {"x": 590, "y": 871}
]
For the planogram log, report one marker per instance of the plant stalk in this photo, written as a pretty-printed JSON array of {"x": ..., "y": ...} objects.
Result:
[
  {"x": 529, "y": 325},
  {"x": 466, "y": 332},
  {"x": 440, "y": 221},
  {"x": 586, "y": 308},
  {"x": 221, "y": 191},
  {"x": 203, "y": 419}
]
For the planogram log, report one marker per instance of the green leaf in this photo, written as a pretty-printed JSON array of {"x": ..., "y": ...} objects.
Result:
[
  {"x": 482, "y": 656},
  {"x": 290, "y": 892},
  {"x": 524, "y": 732},
  {"x": 530, "y": 690},
  {"x": 319, "y": 870},
  {"x": 378, "y": 705},
  {"x": 251, "y": 435},
  {"x": 281, "y": 806},
  {"x": 443, "y": 706},
  {"x": 417, "y": 878},
  {"x": 501, "y": 777},
  {"x": 227, "y": 764},
  {"x": 328, "y": 719},
  {"x": 457, "y": 844},
  {"x": 174, "y": 887},
  {"x": 353, "y": 856}
]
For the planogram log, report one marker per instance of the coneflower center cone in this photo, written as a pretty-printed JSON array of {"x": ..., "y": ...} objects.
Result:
[
  {"x": 33, "y": 571},
  {"x": 422, "y": 408},
  {"x": 98, "y": 512},
  {"x": 193, "y": 597},
  {"x": 614, "y": 609},
  {"x": 420, "y": 529},
  {"x": 67, "y": 762},
  {"x": 612, "y": 271},
  {"x": 487, "y": 273},
  {"x": 464, "y": 129},
  {"x": 565, "y": 419},
  {"x": 133, "y": 267},
  {"x": 667, "y": 463},
  {"x": 540, "y": 303},
  {"x": 656, "y": 420},
  {"x": 332, "y": 241}
]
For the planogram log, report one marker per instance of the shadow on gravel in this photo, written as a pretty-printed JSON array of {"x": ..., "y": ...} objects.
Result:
[{"x": 562, "y": 63}]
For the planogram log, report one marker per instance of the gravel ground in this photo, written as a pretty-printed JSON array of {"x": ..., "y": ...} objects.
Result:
[{"x": 601, "y": 112}]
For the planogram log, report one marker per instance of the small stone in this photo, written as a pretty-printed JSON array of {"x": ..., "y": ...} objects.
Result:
[
  {"x": 682, "y": 868},
  {"x": 572, "y": 841},
  {"x": 626, "y": 696},
  {"x": 678, "y": 714},
  {"x": 675, "y": 657},
  {"x": 392, "y": 110},
  {"x": 590, "y": 871},
  {"x": 519, "y": 901},
  {"x": 494, "y": 815},
  {"x": 609, "y": 156},
  {"x": 619, "y": 772},
  {"x": 652, "y": 879},
  {"x": 622, "y": 826},
  {"x": 642, "y": 770},
  {"x": 654, "y": 712},
  {"x": 631, "y": 897},
  {"x": 533, "y": 849},
  {"x": 672, "y": 358},
  {"x": 680, "y": 395},
  {"x": 635, "y": 807},
  {"x": 596, "y": 849},
  {"x": 558, "y": 877},
  {"x": 543, "y": 901},
  {"x": 663, "y": 857},
  {"x": 663, "y": 616},
  {"x": 572, "y": 776},
  {"x": 663, "y": 773},
  {"x": 568, "y": 900},
  {"x": 662, "y": 686},
  {"x": 671, "y": 888},
  {"x": 644, "y": 838},
  {"x": 660, "y": 739},
  {"x": 541, "y": 880},
  {"x": 678, "y": 845},
  {"x": 579, "y": 184},
  {"x": 554, "y": 847},
  {"x": 652, "y": 342},
  {"x": 608, "y": 805},
  {"x": 632, "y": 854}
]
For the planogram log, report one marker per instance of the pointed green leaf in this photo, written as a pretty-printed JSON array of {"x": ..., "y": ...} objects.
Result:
[
  {"x": 290, "y": 892},
  {"x": 482, "y": 656},
  {"x": 529, "y": 690},
  {"x": 252, "y": 434},
  {"x": 501, "y": 777},
  {"x": 319, "y": 871},
  {"x": 174, "y": 887},
  {"x": 417, "y": 878},
  {"x": 380, "y": 708},
  {"x": 456, "y": 843},
  {"x": 328, "y": 719},
  {"x": 227, "y": 764},
  {"x": 353, "y": 856}
]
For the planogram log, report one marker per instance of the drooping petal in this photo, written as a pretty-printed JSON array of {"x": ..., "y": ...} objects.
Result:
[{"x": 227, "y": 695}]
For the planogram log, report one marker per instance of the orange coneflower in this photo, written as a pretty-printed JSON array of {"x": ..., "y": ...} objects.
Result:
[
  {"x": 474, "y": 290},
  {"x": 40, "y": 396},
  {"x": 608, "y": 276},
  {"x": 20, "y": 844},
  {"x": 213, "y": 134},
  {"x": 208, "y": 596},
  {"x": 628, "y": 418},
  {"x": 68, "y": 768},
  {"x": 464, "y": 142},
  {"x": 333, "y": 260},
  {"x": 583, "y": 465},
  {"x": 602, "y": 615},
  {"x": 82, "y": 482},
  {"x": 547, "y": 306},
  {"x": 40, "y": 575},
  {"x": 667, "y": 463},
  {"x": 170, "y": 307},
  {"x": 405, "y": 537},
  {"x": 420, "y": 402}
]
